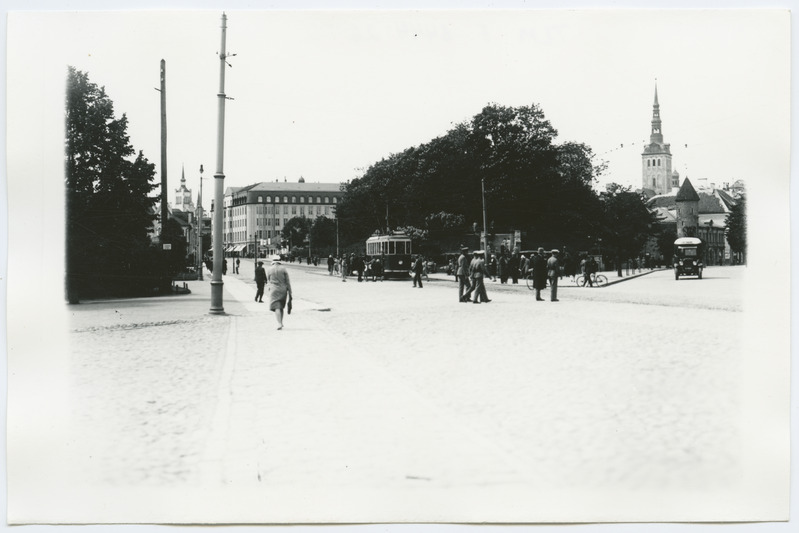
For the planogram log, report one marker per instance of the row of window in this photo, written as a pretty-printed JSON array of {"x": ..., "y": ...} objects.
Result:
[
  {"x": 652, "y": 161},
  {"x": 237, "y": 218},
  {"x": 294, "y": 199}
]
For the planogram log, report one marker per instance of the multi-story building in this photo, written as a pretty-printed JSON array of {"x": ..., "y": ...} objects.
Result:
[{"x": 254, "y": 216}]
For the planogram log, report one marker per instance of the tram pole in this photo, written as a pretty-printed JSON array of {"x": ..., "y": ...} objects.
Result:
[
  {"x": 485, "y": 227},
  {"x": 217, "y": 307}
]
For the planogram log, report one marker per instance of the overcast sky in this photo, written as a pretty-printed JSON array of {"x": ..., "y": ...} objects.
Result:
[{"x": 324, "y": 95}]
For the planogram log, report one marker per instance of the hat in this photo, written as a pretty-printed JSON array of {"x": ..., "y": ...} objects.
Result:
[
  {"x": 480, "y": 252},
  {"x": 275, "y": 258},
  {"x": 555, "y": 251},
  {"x": 540, "y": 250},
  {"x": 260, "y": 262},
  {"x": 464, "y": 248}
]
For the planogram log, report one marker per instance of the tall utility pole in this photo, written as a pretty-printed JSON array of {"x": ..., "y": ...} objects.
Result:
[
  {"x": 485, "y": 227},
  {"x": 162, "y": 90},
  {"x": 219, "y": 181},
  {"x": 200, "y": 228}
]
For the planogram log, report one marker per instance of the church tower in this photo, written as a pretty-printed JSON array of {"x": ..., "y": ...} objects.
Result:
[
  {"x": 183, "y": 201},
  {"x": 656, "y": 158}
]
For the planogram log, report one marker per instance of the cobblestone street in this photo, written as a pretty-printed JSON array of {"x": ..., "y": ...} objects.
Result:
[{"x": 384, "y": 389}]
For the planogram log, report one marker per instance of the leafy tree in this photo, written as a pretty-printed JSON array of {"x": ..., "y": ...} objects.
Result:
[
  {"x": 296, "y": 231},
  {"x": 736, "y": 227},
  {"x": 323, "y": 236},
  {"x": 108, "y": 210},
  {"x": 531, "y": 183},
  {"x": 665, "y": 243},
  {"x": 173, "y": 259},
  {"x": 627, "y": 222}
]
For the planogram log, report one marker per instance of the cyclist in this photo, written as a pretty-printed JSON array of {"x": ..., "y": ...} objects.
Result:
[{"x": 591, "y": 268}]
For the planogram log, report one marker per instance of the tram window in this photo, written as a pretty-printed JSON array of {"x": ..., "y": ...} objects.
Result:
[{"x": 390, "y": 247}]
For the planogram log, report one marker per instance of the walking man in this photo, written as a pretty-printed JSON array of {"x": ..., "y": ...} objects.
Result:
[
  {"x": 478, "y": 274},
  {"x": 418, "y": 268},
  {"x": 279, "y": 289},
  {"x": 553, "y": 272},
  {"x": 260, "y": 280},
  {"x": 462, "y": 275}
]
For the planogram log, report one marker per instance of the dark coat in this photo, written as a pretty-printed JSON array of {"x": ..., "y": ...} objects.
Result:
[
  {"x": 260, "y": 275},
  {"x": 539, "y": 265}
]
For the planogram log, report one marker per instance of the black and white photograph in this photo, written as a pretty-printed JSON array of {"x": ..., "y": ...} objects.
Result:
[{"x": 372, "y": 264}]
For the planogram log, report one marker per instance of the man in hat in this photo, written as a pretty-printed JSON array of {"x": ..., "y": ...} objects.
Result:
[
  {"x": 539, "y": 266},
  {"x": 478, "y": 274},
  {"x": 553, "y": 273},
  {"x": 462, "y": 276},
  {"x": 260, "y": 280},
  {"x": 279, "y": 289}
]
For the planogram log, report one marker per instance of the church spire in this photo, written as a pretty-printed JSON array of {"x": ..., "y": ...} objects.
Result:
[
  {"x": 657, "y": 134},
  {"x": 183, "y": 174}
]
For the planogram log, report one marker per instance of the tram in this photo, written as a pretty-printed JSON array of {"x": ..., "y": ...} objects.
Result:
[{"x": 394, "y": 252}]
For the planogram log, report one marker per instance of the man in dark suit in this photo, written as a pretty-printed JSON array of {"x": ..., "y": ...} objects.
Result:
[{"x": 539, "y": 266}]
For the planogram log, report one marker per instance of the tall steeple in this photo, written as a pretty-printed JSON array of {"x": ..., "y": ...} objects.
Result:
[
  {"x": 183, "y": 201},
  {"x": 657, "y": 134},
  {"x": 656, "y": 173}
]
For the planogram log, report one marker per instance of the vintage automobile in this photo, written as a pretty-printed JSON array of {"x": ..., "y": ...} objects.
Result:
[{"x": 687, "y": 260}]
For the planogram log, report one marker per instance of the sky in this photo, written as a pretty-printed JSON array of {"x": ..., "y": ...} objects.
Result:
[{"x": 325, "y": 94}]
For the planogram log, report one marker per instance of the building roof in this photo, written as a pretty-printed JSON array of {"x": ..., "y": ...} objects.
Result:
[
  {"x": 687, "y": 193},
  {"x": 719, "y": 220},
  {"x": 181, "y": 217},
  {"x": 301, "y": 186},
  {"x": 665, "y": 215}
]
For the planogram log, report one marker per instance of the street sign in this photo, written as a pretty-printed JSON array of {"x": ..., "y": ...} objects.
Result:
[{"x": 167, "y": 246}]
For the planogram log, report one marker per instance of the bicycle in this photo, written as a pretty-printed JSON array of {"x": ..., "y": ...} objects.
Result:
[
  {"x": 598, "y": 280},
  {"x": 528, "y": 278}
]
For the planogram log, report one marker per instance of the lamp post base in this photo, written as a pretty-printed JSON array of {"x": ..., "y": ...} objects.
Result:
[{"x": 216, "y": 298}]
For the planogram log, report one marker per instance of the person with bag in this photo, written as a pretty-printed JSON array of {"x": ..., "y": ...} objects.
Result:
[
  {"x": 279, "y": 289},
  {"x": 553, "y": 273}
]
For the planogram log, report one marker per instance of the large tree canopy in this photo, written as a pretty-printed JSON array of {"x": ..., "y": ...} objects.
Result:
[
  {"x": 109, "y": 211},
  {"x": 531, "y": 183},
  {"x": 627, "y": 224}
]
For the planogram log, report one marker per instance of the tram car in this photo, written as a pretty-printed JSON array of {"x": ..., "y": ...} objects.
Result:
[{"x": 394, "y": 252}]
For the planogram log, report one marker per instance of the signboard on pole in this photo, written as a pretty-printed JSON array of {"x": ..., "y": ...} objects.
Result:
[{"x": 167, "y": 246}]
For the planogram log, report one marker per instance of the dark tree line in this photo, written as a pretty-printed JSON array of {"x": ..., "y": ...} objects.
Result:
[
  {"x": 532, "y": 184},
  {"x": 736, "y": 228},
  {"x": 109, "y": 209}
]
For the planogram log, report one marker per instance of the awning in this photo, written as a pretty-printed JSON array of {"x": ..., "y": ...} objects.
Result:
[{"x": 239, "y": 247}]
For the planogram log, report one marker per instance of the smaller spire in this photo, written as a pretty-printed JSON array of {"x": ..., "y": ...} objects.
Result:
[
  {"x": 182, "y": 173},
  {"x": 656, "y": 92}
]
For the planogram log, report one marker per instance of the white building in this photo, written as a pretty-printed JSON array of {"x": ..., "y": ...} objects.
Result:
[{"x": 257, "y": 213}]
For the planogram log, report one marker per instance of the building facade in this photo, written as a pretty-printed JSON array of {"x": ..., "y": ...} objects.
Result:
[
  {"x": 656, "y": 159},
  {"x": 254, "y": 216}
]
